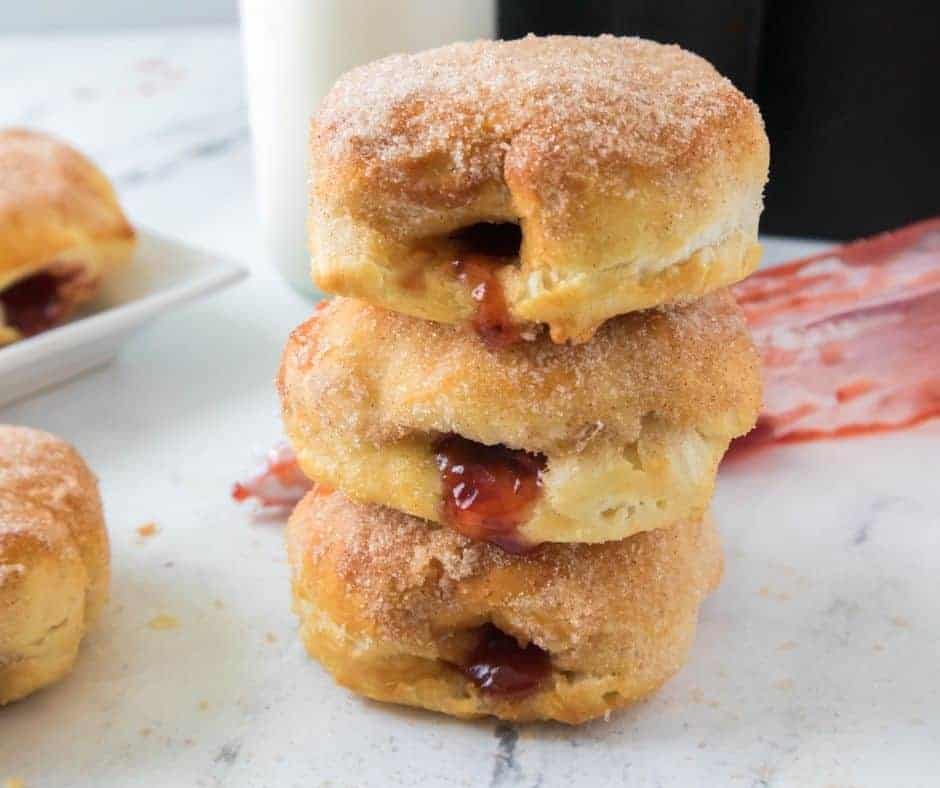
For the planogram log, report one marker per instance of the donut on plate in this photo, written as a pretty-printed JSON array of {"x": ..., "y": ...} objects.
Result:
[
  {"x": 61, "y": 232},
  {"x": 538, "y": 442},
  {"x": 54, "y": 559},
  {"x": 401, "y": 611},
  {"x": 559, "y": 180}
]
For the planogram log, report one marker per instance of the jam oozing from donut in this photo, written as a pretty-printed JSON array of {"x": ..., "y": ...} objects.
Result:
[
  {"x": 491, "y": 320},
  {"x": 489, "y": 491},
  {"x": 498, "y": 665},
  {"x": 35, "y": 304},
  {"x": 482, "y": 250}
]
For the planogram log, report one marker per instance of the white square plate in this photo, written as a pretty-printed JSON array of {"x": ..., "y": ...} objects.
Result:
[{"x": 163, "y": 274}]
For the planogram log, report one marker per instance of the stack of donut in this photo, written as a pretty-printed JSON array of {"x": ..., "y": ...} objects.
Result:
[{"x": 515, "y": 409}]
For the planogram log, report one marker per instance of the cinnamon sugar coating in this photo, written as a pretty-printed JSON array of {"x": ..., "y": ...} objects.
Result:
[
  {"x": 54, "y": 558},
  {"x": 390, "y": 605},
  {"x": 634, "y": 169},
  {"x": 632, "y": 424},
  {"x": 57, "y": 211}
]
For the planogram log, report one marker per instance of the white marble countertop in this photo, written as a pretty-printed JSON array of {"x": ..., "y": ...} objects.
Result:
[{"x": 816, "y": 662}]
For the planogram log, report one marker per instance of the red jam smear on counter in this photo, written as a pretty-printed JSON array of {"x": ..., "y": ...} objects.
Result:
[
  {"x": 277, "y": 484},
  {"x": 489, "y": 491},
  {"x": 33, "y": 304},
  {"x": 849, "y": 338},
  {"x": 498, "y": 665},
  {"x": 482, "y": 250}
]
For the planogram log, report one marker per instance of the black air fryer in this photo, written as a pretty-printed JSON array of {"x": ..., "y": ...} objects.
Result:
[{"x": 850, "y": 93}]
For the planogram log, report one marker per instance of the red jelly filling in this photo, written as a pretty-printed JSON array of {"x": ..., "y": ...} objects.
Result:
[
  {"x": 484, "y": 249},
  {"x": 488, "y": 490},
  {"x": 34, "y": 305},
  {"x": 500, "y": 666}
]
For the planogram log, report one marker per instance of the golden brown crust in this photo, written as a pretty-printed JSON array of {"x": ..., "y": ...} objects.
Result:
[
  {"x": 54, "y": 558},
  {"x": 389, "y": 604},
  {"x": 634, "y": 169},
  {"x": 633, "y": 423},
  {"x": 57, "y": 210}
]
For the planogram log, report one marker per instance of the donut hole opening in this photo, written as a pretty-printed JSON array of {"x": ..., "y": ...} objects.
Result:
[
  {"x": 499, "y": 666},
  {"x": 489, "y": 239}
]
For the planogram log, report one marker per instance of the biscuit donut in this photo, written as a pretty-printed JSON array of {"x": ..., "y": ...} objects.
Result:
[
  {"x": 399, "y": 611},
  {"x": 559, "y": 180},
  {"x": 61, "y": 231},
  {"x": 538, "y": 442},
  {"x": 54, "y": 559}
]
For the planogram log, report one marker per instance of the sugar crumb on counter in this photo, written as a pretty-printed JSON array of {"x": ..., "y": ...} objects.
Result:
[
  {"x": 147, "y": 530},
  {"x": 767, "y": 593},
  {"x": 163, "y": 621}
]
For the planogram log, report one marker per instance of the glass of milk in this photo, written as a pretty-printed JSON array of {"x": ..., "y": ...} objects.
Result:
[{"x": 294, "y": 50}]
